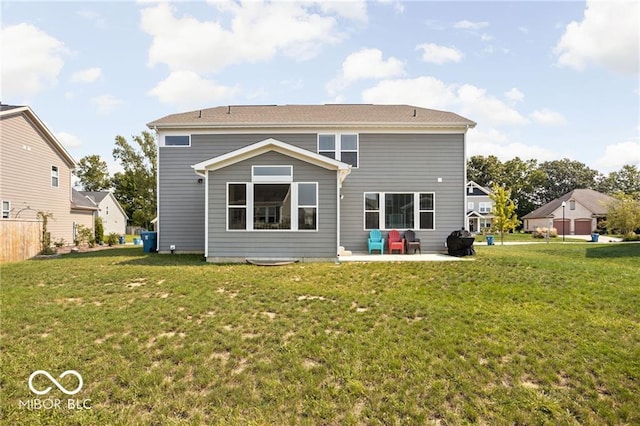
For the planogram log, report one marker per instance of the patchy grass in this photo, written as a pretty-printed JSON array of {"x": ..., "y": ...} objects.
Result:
[{"x": 538, "y": 334}]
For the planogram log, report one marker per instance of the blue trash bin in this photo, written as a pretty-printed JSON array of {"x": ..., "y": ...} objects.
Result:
[
  {"x": 594, "y": 238},
  {"x": 489, "y": 240},
  {"x": 149, "y": 239},
  {"x": 121, "y": 239}
]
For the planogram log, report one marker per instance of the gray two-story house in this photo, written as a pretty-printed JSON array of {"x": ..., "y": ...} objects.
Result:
[
  {"x": 302, "y": 181},
  {"x": 479, "y": 208}
]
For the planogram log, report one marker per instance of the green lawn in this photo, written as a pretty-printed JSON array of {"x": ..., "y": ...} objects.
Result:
[{"x": 531, "y": 334}]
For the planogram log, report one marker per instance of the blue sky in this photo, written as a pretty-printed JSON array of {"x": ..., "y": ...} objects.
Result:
[{"x": 543, "y": 80}]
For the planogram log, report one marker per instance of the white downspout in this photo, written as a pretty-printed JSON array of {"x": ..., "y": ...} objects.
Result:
[{"x": 206, "y": 212}]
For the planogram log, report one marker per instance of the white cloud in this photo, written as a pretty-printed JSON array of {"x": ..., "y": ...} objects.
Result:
[
  {"x": 486, "y": 37},
  {"x": 429, "y": 92},
  {"x": 514, "y": 95},
  {"x": 607, "y": 36},
  {"x": 468, "y": 25},
  {"x": 186, "y": 90},
  {"x": 618, "y": 154},
  {"x": 494, "y": 142},
  {"x": 435, "y": 54},
  {"x": 354, "y": 10},
  {"x": 365, "y": 64},
  {"x": 397, "y": 5},
  {"x": 105, "y": 104},
  {"x": 31, "y": 60},
  {"x": 258, "y": 31},
  {"x": 68, "y": 140},
  {"x": 548, "y": 118},
  {"x": 87, "y": 76}
]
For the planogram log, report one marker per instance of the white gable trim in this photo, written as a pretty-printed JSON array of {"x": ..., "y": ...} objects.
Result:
[
  {"x": 471, "y": 184},
  {"x": 268, "y": 145}
]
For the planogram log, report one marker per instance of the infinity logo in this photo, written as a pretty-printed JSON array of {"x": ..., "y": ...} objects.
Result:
[{"x": 55, "y": 382}]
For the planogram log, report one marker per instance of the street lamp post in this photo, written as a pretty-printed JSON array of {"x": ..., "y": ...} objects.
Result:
[{"x": 564, "y": 204}]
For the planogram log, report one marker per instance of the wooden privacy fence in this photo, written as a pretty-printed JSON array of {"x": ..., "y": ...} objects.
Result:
[{"x": 19, "y": 239}]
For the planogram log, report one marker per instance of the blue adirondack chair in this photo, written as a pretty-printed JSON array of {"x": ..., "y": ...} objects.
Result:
[{"x": 376, "y": 242}]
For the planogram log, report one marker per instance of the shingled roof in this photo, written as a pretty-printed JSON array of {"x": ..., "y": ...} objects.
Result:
[
  {"x": 313, "y": 115},
  {"x": 596, "y": 202}
]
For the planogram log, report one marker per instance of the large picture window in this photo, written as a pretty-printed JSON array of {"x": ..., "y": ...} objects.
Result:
[
  {"x": 272, "y": 206},
  {"x": 401, "y": 210},
  {"x": 342, "y": 147}
]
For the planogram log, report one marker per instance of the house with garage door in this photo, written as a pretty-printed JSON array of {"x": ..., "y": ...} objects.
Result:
[
  {"x": 575, "y": 213},
  {"x": 307, "y": 181}
]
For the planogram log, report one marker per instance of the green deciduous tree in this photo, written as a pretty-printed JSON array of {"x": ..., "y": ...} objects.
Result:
[
  {"x": 626, "y": 180},
  {"x": 135, "y": 186},
  {"x": 623, "y": 215},
  {"x": 93, "y": 174},
  {"x": 505, "y": 218},
  {"x": 485, "y": 171},
  {"x": 564, "y": 176}
]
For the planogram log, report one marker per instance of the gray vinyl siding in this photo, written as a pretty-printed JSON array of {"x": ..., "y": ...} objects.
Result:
[
  {"x": 387, "y": 163},
  {"x": 406, "y": 163},
  {"x": 274, "y": 244},
  {"x": 181, "y": 198}
]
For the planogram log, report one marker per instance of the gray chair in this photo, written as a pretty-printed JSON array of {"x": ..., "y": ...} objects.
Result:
[{"x": 411, "y": 241}]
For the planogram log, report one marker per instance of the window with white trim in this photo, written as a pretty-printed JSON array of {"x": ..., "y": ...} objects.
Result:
[
  {"x": 272, "y": 202},
  {"x": 54, "y": 176},
  {"x": 399, "y": 210},
  {"x": 6, "y": 209},
  {"x": 340, "y": 146},
  {"x": 484, "y": 207},
  {"x": 177, "y": 140},
  {"x": 308, "y": 206},
  {"x": 572, "y": 204}
]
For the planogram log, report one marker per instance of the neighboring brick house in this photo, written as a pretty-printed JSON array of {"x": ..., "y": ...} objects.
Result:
[
  {"x": 35, "y": 175},
  {"x": 302, "y": 181}
]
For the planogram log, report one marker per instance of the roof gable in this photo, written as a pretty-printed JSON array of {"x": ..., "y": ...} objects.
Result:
[
  {"x": 10, "y": 110},
  {"x": 594, "y": 201},
  {"x": 98, "y": 196},
  {"x": 477, "y": 190},
  {"x": 268, "y": 145}
]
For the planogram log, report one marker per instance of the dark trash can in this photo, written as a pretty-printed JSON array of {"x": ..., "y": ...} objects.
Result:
[
  {"x": 460, "y": 243},
  {"x": 149, "y": 240},
  {"x": 121, "y": 239},
  {"x": 489, "y": 240}
]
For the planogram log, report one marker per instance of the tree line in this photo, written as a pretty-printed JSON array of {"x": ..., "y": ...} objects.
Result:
[{"x": 534, "y": 184}]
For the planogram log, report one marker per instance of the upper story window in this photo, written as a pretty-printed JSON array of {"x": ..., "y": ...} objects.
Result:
[
  {"x": 6, "y": 209},
  {"x": 272, "y": 173},
  {"x": 54, "y": 176},
  {"x": 339, "y": 146},
  {"x": 181, "y": 140},
  {"x": 572, "y": 204},
  {"x": 484, "y": 207}
]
